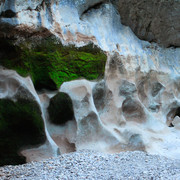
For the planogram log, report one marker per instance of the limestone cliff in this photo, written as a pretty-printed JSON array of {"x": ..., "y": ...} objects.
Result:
[
  {"x": 119, "y": 92},
  {"x": 154, "y": 21}
]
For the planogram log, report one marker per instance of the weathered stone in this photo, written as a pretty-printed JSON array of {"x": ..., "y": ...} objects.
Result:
[
  {"x": 154, "y": 21},
  {"x": 133, "y": 111},
  {"x": 21, "y": 121},
  {"x": 127, "y": 88},
  {"x": 90, "y": 130},
  {"x": 133, "y": 108}
]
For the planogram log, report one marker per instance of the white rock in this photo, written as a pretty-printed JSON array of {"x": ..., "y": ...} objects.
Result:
[{"x": 176, "y": 122}]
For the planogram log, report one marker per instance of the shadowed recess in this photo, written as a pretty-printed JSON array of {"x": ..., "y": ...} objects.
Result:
[
  {"x": 8, "y": 14},
  {"x": 60, "y": 109},
  {"x": 50, "y": 64},
  {"x": 21, "y": 126},
  {"x": 171, "y": 115},
  {"x": 177, "y": 112}
]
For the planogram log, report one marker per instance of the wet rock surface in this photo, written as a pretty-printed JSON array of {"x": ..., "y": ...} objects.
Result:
[{"x": 95, "y": 165}]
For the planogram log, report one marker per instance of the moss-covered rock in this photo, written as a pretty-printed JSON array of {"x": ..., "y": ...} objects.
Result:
[
  {"x": 50, "y": 64},
  {"x": 60, "y": 109},
  {"x": 21, "y": 125}
]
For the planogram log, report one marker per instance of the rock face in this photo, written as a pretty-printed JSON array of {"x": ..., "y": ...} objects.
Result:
[
  {"x": 155, "y": 21},
  {"x": 21, "y": 120},
  {"x": 152, "y": 21},
  {"x": 135, "y": 106},
  {"x": 91, "y": 132}
]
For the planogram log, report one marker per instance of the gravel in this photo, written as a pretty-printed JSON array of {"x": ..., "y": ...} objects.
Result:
[{"x": 95, "y": 165}]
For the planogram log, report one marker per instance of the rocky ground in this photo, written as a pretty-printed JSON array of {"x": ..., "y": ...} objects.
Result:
[{"x": 95, "y": 165}]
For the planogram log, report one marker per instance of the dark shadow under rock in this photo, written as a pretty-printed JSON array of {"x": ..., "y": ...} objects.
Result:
[
  {"x": 8, "y": 14},
  {"x": 171, "y": 115},
  {"x": 21, "y": 126},
  {"x": 60, "y": 109}
]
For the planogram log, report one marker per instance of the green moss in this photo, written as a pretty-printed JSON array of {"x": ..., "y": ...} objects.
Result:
[
  {"x": 51, "y": 64},
  {"x": 21, "y": 125},
  {"x": 60, "y": 109}
]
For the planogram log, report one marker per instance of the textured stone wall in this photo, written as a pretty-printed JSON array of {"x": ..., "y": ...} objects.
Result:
[
  {"x": 135, "y": 106},
  {"x": 153, "y": 21},
  {"x": 150, "y": 20}
]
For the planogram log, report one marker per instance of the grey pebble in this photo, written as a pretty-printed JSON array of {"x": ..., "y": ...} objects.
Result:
[{"x": 96, "y": 165}]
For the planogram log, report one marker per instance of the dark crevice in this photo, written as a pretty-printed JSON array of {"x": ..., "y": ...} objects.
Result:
[
  {"x": 95, "y": 6},
  {"x": 171, "y": 125},
  {"x": 171, "y": 115},
  {"x": 8, "y": 14},
  {"x": 177, "y": 113},
  {"x": 148, "y": 27},
  {"x": 45, "y": 83},
  {"x": 148, "y": 31},
  {"x": 172, "y": 46},
  {"x": 60, "y": 109},
  {"x": 39, "y": 6},
  {"x": 29, "y": 8}
]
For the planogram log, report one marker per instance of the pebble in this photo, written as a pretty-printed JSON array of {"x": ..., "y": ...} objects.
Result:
[{"x": 92, "y": 165}]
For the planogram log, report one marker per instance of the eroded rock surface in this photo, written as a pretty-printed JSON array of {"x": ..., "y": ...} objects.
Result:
[
  {"x": 21, "y": 121},
  {"x": 155, "y": 21},
  {"x": 135, "y": 106}
]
